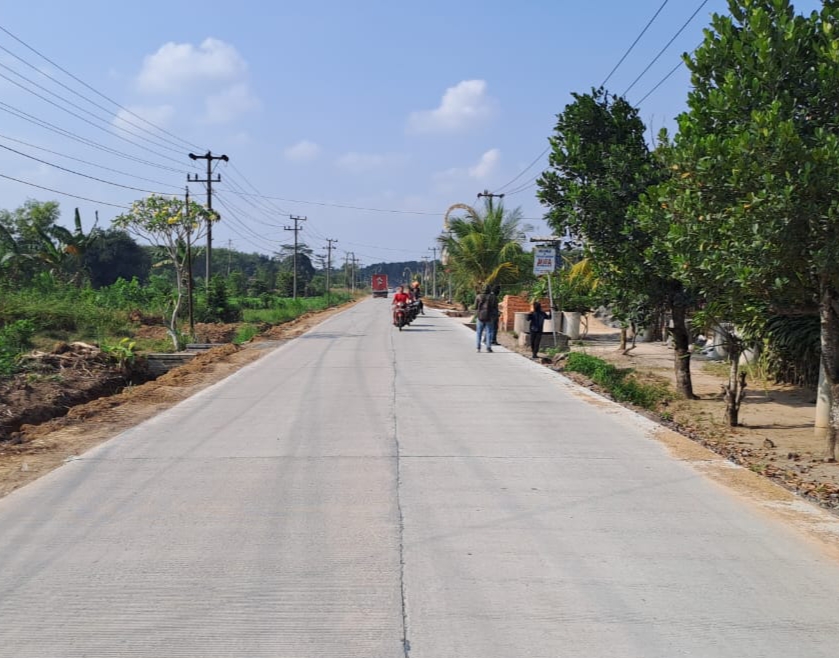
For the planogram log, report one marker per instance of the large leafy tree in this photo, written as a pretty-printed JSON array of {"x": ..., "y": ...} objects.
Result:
[
  {"x": 169, "y": 223},
  {"x": 753, "y": 208},
  {"x": 25, "y": 244},
  {"x": 484, "y": 248},
  {"x": 599, "y": 167},
  {"x": 115, "y": 255}
]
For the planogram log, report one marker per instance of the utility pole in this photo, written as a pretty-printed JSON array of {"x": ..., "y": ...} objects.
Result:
[
  {"x": 329, "y": 249},
  {"x": 433, "y": 250},
  {"x": 354, "y": 271},
  {"x": 229, "y": 255},
  {"x": 489, "y": 195},
  {"x": 296, "y": 228},
  {"x": 347, "y": 269},
  {"x": 190, "y": 306},
  {"x": 209, "y": 157}
]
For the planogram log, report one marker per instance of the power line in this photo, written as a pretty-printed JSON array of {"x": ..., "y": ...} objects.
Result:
[
  {"x": 667, "y": 45},
  {"x": 341, "y": 205},
  {"x": 20, "y": 114},
  {"x": 88, "y": 121},
  {"x": 75, "y": 196},
  {"x": 661, "y": 82},
  {"x": 78, "y": 173},
  {"x": 107, "y": 122},
  {"x": 637, "y": 39},
  {"x": 87, "y": 162},
  {"x": 84, "y": 84},
  {"x": 526, "y": 169}
]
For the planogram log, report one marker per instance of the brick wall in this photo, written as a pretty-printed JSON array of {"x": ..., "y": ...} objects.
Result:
[{"x": 512, "y": 304}]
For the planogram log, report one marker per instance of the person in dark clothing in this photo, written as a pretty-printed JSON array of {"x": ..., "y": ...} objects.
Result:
[
  {"x": 486, "y": 306},
  {"x": 537, "y": 318},
  {"x": 497, "y": 292}
]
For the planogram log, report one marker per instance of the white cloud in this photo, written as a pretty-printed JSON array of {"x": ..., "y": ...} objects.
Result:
[
  {"x": 486, "y": 165},
  {"x": 462, "y": 106},
  {"x": 230, "y": 103},
  {"x": 176, "y": 67},
  {"x": 361, "y": 163},
  {"x": 159, "y": 115},
  {"x": 302, "y": 151}
]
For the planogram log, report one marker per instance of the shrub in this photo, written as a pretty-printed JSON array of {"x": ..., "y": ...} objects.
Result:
[
  {"x": 620, "y": 383},
  {"x": 15, "y": 338}
]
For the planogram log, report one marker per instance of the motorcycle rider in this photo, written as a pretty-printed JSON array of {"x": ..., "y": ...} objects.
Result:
[
  {"x": 416, "y": 292},
  {"x": 400, "y": 297}
]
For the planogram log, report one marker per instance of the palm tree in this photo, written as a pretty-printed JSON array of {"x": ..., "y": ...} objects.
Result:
[{"x": 483, "y": 248}]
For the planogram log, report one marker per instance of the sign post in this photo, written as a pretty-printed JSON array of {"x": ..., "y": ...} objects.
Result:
[{"x": 544, "y": 262}]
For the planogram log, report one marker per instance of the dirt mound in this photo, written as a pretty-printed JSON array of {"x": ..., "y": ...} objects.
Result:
[{"x": 53, "y": 382}]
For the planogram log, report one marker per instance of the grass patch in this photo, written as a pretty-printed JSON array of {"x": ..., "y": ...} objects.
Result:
[
  {"x": 285, "y": 310},
  {"x": 619, "y": 382},
  {"x": 245, "y": 333}
]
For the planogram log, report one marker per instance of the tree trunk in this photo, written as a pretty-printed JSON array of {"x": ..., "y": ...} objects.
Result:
[
  {"x": 735, "y": 390},
  {"x": 174, "y": 334},
  {"x": 681, "y": 348},
  {"x": 829, "y": 312},
  {"x": 622, "y": 346}
]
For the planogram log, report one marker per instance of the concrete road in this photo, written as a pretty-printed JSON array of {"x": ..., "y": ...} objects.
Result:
[{"x": 363, "y": 492}]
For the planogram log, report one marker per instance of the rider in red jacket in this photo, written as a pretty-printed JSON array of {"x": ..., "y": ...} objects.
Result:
[{"x": 400, "y": 296}]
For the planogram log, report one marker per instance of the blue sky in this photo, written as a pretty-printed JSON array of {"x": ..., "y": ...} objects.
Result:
[{"x": 395, "y": 106}]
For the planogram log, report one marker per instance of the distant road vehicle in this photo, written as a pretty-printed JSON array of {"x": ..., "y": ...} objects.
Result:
[{"x": 379, "y": 285}]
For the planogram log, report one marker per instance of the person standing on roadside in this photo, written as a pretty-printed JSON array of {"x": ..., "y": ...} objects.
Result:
[
  {"x": 537, "y": 318},
  {"x": 497, "y": 292},
  {"x": 486, "y": 306}
]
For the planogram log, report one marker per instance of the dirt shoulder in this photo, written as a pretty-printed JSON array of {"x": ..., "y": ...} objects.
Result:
[{"x": 38, "y": 449}]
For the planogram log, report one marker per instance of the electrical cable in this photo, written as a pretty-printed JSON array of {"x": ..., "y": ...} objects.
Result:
[
  {"x": 88, "y": 121},
  {"x": 346, "y": 206},
  {"x": 107, "y": 122},
  {"x": 78, "y": 173},
  {"x": 667, "y": 45},
  {"x": 634, "y": 43},
  {"x": 661, "y": 82},
  {"x": 83, "y": 140},
  {"x": 84, "y": 84},
  {"x": 87, "y": 162},
  {"x": 525, "y": 170},
  {"x": 75, "y": 196}
]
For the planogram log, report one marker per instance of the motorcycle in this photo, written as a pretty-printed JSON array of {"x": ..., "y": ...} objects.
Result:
[{"x": 400, "y": 315}]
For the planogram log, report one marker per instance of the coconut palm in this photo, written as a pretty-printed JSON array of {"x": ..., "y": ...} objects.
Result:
[{"x": 483, "y": 248}]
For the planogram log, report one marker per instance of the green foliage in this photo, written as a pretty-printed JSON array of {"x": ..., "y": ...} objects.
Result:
[
  {"x": 245, "y": 333},
  {"x": 122, "y": 352},
  {"x": 792, "y": 349},
  {"x": 618, "y": 382},
  {"x": 285, "y": 309},
  {"x": 484, "y": 248},
  {"x": 15, "y": 338},
  {"x": 216, "y": 305}
]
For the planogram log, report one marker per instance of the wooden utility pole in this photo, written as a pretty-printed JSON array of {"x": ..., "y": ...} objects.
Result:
[
  {"x": 329, "y": 249},
  {"x": 433, "y": 251},
  {"x": 209, "y": 157},
  {"x": 190, "y": 306},
  {"x": 296, "y": 228}
]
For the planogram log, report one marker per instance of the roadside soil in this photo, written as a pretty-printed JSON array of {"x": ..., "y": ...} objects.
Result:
[{"x": 66, "y": 404}]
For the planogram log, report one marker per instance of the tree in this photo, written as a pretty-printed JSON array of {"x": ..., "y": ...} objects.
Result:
[
  {"x": 484, "y": 248},
  {"x": 168, "y": 223},
  {"x": 115, "y": 255},
  {"x": 754, "y": 207},
  {"x": 599, "y": 167},
  {"x": 23, "y": 233}
]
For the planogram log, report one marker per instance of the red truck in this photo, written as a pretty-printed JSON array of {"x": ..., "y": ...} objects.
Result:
[{"x": 379, "y": 285}]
